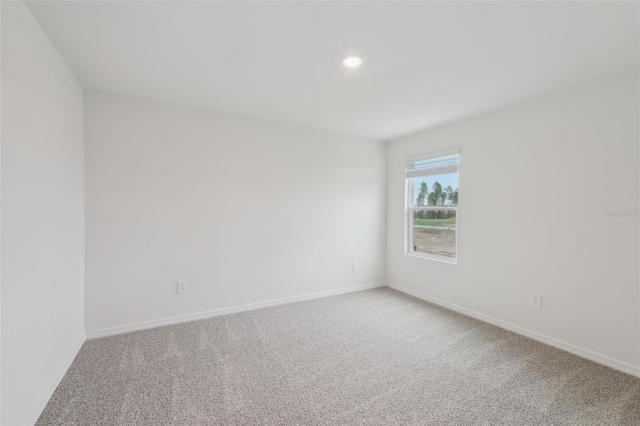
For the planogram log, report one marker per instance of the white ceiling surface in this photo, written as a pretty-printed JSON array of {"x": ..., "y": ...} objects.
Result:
[{"x": 424, "y": 63}]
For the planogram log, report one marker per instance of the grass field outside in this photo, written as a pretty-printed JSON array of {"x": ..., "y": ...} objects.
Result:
[{"x": 448, "y": 222}]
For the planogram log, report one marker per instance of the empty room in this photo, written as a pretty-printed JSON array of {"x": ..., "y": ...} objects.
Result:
[{"x": 320, "y": 213}]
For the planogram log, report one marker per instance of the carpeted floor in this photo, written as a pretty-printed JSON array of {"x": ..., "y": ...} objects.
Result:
[{"x": 376, "y": 357}]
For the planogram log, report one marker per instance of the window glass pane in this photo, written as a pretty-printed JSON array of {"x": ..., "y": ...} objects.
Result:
[
  {"x": 439, "y": 190},
  {"x": 434, "y": 232}
]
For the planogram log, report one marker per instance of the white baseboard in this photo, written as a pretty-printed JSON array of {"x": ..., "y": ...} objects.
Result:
[
  {"x": 110, "y": 331},
  {"x": 625, "y": 367},
  {"x": 56, "y": 381}
]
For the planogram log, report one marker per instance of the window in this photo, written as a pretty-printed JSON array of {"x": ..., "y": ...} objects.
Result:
[{"x": 432, "y": 207}]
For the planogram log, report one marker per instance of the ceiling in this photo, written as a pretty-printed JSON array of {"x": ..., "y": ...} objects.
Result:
[{"x": 425, "y": 63}]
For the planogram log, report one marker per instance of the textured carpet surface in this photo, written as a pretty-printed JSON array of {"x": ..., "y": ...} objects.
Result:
[{"x": 375, "y": 357}]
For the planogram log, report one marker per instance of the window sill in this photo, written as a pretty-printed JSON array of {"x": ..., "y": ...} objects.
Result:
[{"x": 452, "y": 261}]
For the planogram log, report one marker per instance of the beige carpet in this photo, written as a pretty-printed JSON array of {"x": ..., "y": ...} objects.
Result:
[{"x": 376, "y": 357}]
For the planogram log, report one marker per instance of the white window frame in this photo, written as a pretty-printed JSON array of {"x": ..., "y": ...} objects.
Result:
[{"x": 410, "y": 209}]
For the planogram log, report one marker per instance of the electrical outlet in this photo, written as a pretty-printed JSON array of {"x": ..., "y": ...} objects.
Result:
[
  {"x": 535, "y": 301},
  {"x": 354, "y": 266},
  {"x": 183, "y": 286}
]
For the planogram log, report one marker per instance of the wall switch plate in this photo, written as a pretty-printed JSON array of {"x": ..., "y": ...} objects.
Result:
[
  {"x": 535, "y": 300},
  {"x": 354, "y": 266},
  {"x": 183, "y": 286}
]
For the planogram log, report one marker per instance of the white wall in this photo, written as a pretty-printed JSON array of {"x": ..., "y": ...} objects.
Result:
[
  {"x": 244, "y": 210},
  {"x": 42, "y": 216},
  {"x": 535, "y": 180}
]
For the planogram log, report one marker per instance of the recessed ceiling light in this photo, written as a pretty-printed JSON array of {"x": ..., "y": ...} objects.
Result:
[{"x": 352, "y": 62}]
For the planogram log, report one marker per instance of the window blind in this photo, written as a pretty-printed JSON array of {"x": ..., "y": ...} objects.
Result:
[{"x": 432, "y": 166}]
